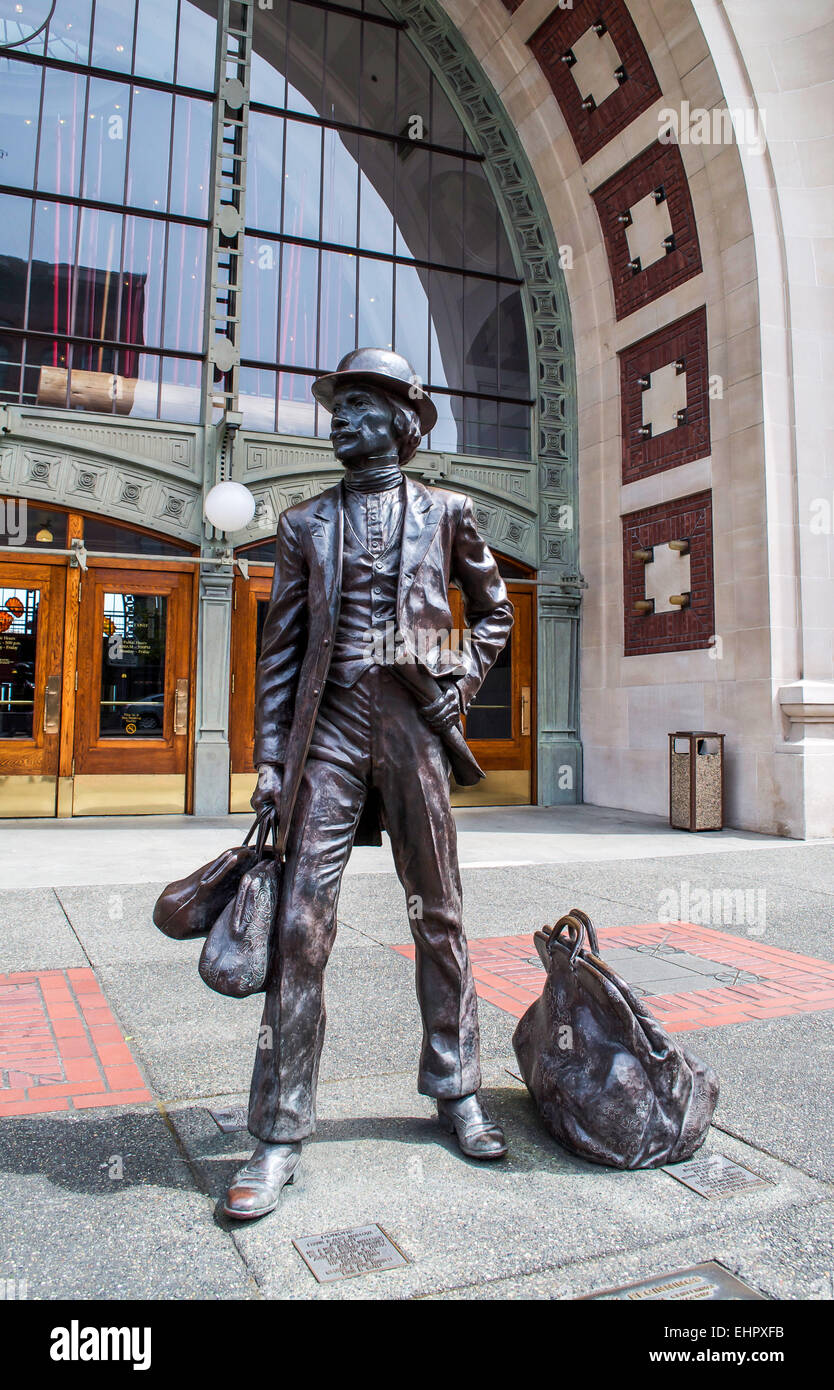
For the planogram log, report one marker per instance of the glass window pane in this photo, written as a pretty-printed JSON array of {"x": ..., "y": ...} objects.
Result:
[
  {"x": 341, "y": 68},
  {"x": 12, "y": 381},
  {"x": 305, "y": 60},
  {"x": 376, "y": 196},
  {"x": 259, "y": 313},
  {"x": 150, "y": 142},
  {"x": 52, "y": 276},
  {"x": 302, "y": 180},
  {"x": 142, "y": 386},
  {"x": 413, "y": 87},
  {"x": 377, "y": 93},
  {"x": 113, "y": 34},
  {"x": 376, "y": 302},
  {"x": 296, "y": 407},
  {"x": 446, "y": 293},
  {"x": 480, "y": 221},
  {"x": 447, "y": 435},
  {"x": 144, "y": 258},
  {"x": 257, "y": 398},
  {"x": 106, "y": 141},
  {"x": 299, "y": 301},
  {"x": 411, "y": 327},
  {"x": 69, "y": 31},
  {"x": 156, "y": 35},
  {"x": 480, "y": 335},
  {"x": 133, "y": 666},
  {"x": 444, "y": 128},
  {"x": 98, "y": 282},
  {"x": 514, "y": 425},
  {"x": 196, "y": 49},
  {"x": 21, "y": 87},
  {"x": 265, "y": 174},
  {"x": 18, "y": 654},
  {"x": 267, "y": 82},
  {"x": 190, "y": 157},
  {"x": 337, "y": 322},
  {"x": 412, "y": 166},
  {"x": 513, "y": 357},
  {"x": 108, "y": 536},
  {"x": 62, "y": 126},
  {"x": 480, "y": 426},
  {"x": 181, "y": 390},
  {"x": 15, "y": 219},
  {"x": 447, "y": 182},
  {"x": 185, "y": 287},
  {"x": 490, "y": 713},
  {"x": 340, "y": 185}
]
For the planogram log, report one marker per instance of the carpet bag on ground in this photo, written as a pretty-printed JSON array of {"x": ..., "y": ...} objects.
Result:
[{"x": 609, "y": 1083}]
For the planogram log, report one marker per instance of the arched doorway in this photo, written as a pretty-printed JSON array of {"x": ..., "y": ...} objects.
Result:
[
  {"x": 96, "y": 655},
  {"x": 499, "y": 727}
]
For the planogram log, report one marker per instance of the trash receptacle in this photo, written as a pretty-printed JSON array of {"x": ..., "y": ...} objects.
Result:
[{"x": 696, "y": 780}]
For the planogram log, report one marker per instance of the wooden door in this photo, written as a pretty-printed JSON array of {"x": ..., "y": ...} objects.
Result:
[
  {"x": 31, "y": 648},
  {"x": 133, "y": 693},
  {"x": 499, "y": 727},
  {"x": 251, "y": 599}
]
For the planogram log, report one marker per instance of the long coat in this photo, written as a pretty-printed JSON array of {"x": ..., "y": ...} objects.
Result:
[{"x": 440, "y": 543}]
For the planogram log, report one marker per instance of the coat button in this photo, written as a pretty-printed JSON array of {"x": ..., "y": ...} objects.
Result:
[
  {"x": 326, "y": 642},
  {"x": 316, "y": 691}
]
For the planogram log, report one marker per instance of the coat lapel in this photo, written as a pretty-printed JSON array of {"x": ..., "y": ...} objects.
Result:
[
  {"x": 327, "y": 531},
  {"x": 422, "y": 518}
]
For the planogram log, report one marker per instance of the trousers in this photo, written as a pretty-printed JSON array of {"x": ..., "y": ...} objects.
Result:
[{"x": 369, "y": 739}]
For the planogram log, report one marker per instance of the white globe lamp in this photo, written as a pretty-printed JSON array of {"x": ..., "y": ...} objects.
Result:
[{"x": 229, "y": 507}]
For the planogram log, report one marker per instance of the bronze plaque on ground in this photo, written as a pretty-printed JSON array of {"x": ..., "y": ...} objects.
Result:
[
  {"x": 345, "y": 1254},
  {"x": 697, "y": 1283},
  {"x": 714, "y": 1175}
]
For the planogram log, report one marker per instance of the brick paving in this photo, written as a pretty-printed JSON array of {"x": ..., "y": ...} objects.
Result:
[
  {"x": 60, "y": 1046},
  {"x": 788, "y": 983}
]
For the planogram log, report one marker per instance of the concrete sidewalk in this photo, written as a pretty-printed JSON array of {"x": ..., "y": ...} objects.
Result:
[{"x": 105, "y": 1198}]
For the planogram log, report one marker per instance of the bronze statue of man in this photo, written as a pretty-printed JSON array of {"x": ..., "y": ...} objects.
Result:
[{"x": 341, "y": 744}]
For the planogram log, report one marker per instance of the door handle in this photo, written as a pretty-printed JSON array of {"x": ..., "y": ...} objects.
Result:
[
  {"x": 181, "y": 707},
  {"x": 52, "y": 706},
  {"x": 525, "y": 710}
]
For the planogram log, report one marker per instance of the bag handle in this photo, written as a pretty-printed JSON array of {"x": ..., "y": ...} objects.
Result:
[
  {"x": 575, "y": 924},
  {"x": 263, "y": 823}
]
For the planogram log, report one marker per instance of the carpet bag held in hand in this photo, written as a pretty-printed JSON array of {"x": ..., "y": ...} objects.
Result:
[
  {"x": 235, "y": 956},
  {"x": 191, "y": 906},
  {"x": 610, "y": 1085}
]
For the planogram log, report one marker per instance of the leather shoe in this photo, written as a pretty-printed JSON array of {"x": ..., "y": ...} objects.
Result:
[
  {"x": 255, "y": 1189},
  {"x": 477, "y": 1133}
]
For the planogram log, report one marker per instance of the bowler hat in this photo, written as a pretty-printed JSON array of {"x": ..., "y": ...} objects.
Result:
[{"x": 386, "y": 370}]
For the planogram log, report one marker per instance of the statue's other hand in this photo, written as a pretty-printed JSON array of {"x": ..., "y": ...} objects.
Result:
[
  {"x": 443, "y": 712},
  {"x": 268, "y": 791}
]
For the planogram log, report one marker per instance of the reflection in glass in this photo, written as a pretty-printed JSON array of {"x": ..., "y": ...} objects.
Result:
[
  {"x": 302, "y": 180},
  {"x": 21, "y": 87},
  {"x": 265, "y": 177},
  {"x": 61, "y": 131},
  {"x": 490, "y": 714},
  {"x": 106, "y": 146},
  {"x": 133, "y": 666},
  {"x": 113, "y": 34},
  {"x": 337, "y": 323},
  {"x": 18, "y": 653},
  {"x": 190, "y": 157},
  {"x": 156, "y": 33},
  {"x": 150, "y": 141},
  {"x": 196, "y": 48}
]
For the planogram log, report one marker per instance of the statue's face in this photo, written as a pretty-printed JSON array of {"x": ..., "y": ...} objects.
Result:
[{"x": 360, "y": 426}]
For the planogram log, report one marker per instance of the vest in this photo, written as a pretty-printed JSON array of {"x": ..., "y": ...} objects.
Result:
[{"x": 369, "y": 603}]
